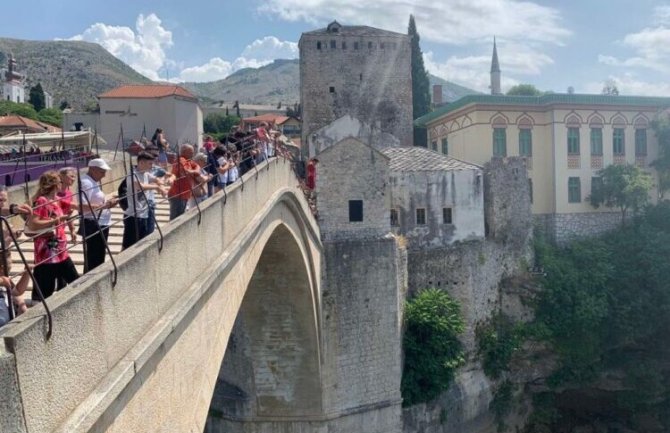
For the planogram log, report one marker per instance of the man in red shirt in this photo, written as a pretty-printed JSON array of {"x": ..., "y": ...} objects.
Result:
[
  {"x": 311, "y": 173},
  {"x": 185, "y": 172}
]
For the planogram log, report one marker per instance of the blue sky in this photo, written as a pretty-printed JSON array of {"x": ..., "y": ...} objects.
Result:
[{"x": 551, "y": 44}]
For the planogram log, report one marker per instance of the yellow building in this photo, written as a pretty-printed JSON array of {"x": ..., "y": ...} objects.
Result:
[{"x": 565, "y": 138}]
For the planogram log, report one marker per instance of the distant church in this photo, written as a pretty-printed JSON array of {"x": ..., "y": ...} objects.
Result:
[{"x": 13, "y": 86}]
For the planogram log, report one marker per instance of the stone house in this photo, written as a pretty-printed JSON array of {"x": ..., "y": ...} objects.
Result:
[
  {"x": 143, "y": 108},
  {"x": 348, "y": 126},
  {"x": 352, "y": 190},
  {"x": 435, "y": 199},
  {"x": 356, "y": 70}
]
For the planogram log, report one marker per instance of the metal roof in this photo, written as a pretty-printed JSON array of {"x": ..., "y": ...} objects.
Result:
[{"x": 544, "y": 100}]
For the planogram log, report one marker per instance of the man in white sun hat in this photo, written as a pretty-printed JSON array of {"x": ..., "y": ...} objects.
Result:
[{"x": 95, "y": 205}]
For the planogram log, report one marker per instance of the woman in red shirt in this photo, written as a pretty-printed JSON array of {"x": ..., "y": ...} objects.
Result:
[
  {"x": 68, "y": 176},
  {"x": 53, "y": 264}
]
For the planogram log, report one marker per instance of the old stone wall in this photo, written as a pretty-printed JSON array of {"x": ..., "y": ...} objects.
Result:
[
  {"x": 507, "y": 200},
  {"x": 351, "y": 170},
  {"x": 561, "y": 228},
  {"x": 361, "y": 329},
  {"x": 348, "y": 126},
  {"x": 372, "y": 82}
]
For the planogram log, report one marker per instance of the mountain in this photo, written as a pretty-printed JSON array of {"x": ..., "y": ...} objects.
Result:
[
  {"x": 280, "y": 82},
  {"x": 276, "y": 82},
  {"x": 71, "y": 71}
]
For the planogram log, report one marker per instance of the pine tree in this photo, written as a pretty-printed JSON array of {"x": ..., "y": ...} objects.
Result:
[
  {"x": 36, "y": 98},
  {"x": 420, "y": 84}
]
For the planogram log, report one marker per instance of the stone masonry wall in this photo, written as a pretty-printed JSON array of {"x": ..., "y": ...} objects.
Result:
[
  {"x": 361, "y": 329},
  {"x": 351, "y": 170},
  {"x": 507, "y": 200},
  {"x": 372, "y": 84},
  {"x": 561, "y": 228}
]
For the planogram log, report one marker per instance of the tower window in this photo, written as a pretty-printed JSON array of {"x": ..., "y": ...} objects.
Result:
[
  {"x": 333, "y": 44},
  {"x": 421, "y": 216},
  {"x": 318, "y": 45},
  {"x": 355, "y": 211},
  {"x": 446, "y": 215},
  {"x": 394, "y": 218},
  {"x": 381, "y": 45},
  {"x": 369, "y": 45},
  {"x": 355, "y": 45},
  {"x": 331, "y": 89},
  {"x": 344, "y": 45}
]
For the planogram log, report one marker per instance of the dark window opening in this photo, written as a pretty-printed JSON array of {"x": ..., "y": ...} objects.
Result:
[
  {"x": 369, "y": 45},
  {"x": 381, "y": 45},
  {"x": 344, "y": 45},
  {"x": 333, "y": 44},
  {"x": 355, "y": 211},
  {"x": 331, "y": 89},
  {"x": 360, "y": 77},
  {"x": 355, "y": 45},
  {"x": 318, "y": 45},
  {"x": 394, "y": 218},
  {"x": 420, "y": 217},
  {"x": 446, "y": 215}
]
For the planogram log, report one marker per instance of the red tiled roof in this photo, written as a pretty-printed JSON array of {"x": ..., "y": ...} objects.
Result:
[
  {"x": 147, "y": 91},
  {"x": 13, "y": 121},
  {"x": 277, "y": 119}
]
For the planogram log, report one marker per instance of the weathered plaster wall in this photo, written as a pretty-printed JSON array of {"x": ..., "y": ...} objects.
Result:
[{"x": 459, "y": 190}]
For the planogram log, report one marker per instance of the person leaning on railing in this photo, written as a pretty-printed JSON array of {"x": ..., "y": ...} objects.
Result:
[
  {"x": 185, "y": 172},
  {"x": 97, "y": 216},
  {"x": 47, "y": 224}
]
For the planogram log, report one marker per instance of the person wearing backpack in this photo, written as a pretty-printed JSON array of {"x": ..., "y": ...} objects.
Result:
[{"x": 136, "y": 211}]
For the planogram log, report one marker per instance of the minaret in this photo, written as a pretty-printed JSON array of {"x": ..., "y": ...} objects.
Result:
[{"x": 495, "y": 71}]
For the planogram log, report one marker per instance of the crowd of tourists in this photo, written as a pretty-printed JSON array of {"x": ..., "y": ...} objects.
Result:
[{"x": 50, "y": 216}]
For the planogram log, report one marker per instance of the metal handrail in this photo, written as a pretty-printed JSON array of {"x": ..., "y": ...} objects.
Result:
[{"x": 36, "y": 286}]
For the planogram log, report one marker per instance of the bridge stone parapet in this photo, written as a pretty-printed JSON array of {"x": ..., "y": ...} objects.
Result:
[{"x": 107, "y": 339}]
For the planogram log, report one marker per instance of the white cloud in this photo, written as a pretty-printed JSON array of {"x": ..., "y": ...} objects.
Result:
[
  {"x": 259, "y": 53},
  {"x": 142, "y": 49},
  {"x": 459, "y": 21},
  {"x": 629, "y": 84},
  {"x": 524, "y": 29},
  {"x": 651, "y": 45},
  {"x": 270, "y": 48}
]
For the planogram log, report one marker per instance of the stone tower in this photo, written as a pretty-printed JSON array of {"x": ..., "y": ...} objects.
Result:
[
  {"x": 495, "y": 71},
  {"x": 357, "y": 70},
  {"x": 13, "y": 86}
]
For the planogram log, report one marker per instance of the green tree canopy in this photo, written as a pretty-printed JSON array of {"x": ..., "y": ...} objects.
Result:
[
  {"x": 37, "y": 98},
  {"x": 52, "y": 116},
  {"x": 217, "y": 123},
  {"x": 25, "y": 110},
  {"x": 420, "y": 84},
  {"x": 622, "y": 186},
  {"x": 524, "y": 90},
  {"x": 432, "y": 348}
]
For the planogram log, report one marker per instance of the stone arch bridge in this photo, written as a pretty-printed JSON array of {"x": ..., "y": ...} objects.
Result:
[{"x": 145, "y": 355}]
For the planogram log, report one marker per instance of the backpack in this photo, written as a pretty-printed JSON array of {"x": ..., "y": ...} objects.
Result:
[{"x": 122, "y": 192}]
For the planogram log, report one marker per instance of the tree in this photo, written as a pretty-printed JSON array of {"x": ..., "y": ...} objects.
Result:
[
  {"x": 25, "y": 110},
  {"x": 610, "y": 88},
  {"x": 524, "y": 90},
  {"x": 661, "y": 127},
  {"x": 217, "y": 123},
  {"x": 53, "y": 116},
  {"x": 432, "y": 349},
  {"x": 63, "y": 105},
  {"x": 36, "y": 98},
  {"x": 622, "y": 186},
  {"x": 420, "y": 84}
]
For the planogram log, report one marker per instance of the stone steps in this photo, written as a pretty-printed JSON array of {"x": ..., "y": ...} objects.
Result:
[{"x": 77, "y": 251}]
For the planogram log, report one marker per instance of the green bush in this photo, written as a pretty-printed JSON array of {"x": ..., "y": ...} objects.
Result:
[
  {"x": 497, "y": 342},
  {"x": 502, "y": 402},
  {"x": 432, "y": 350}
]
